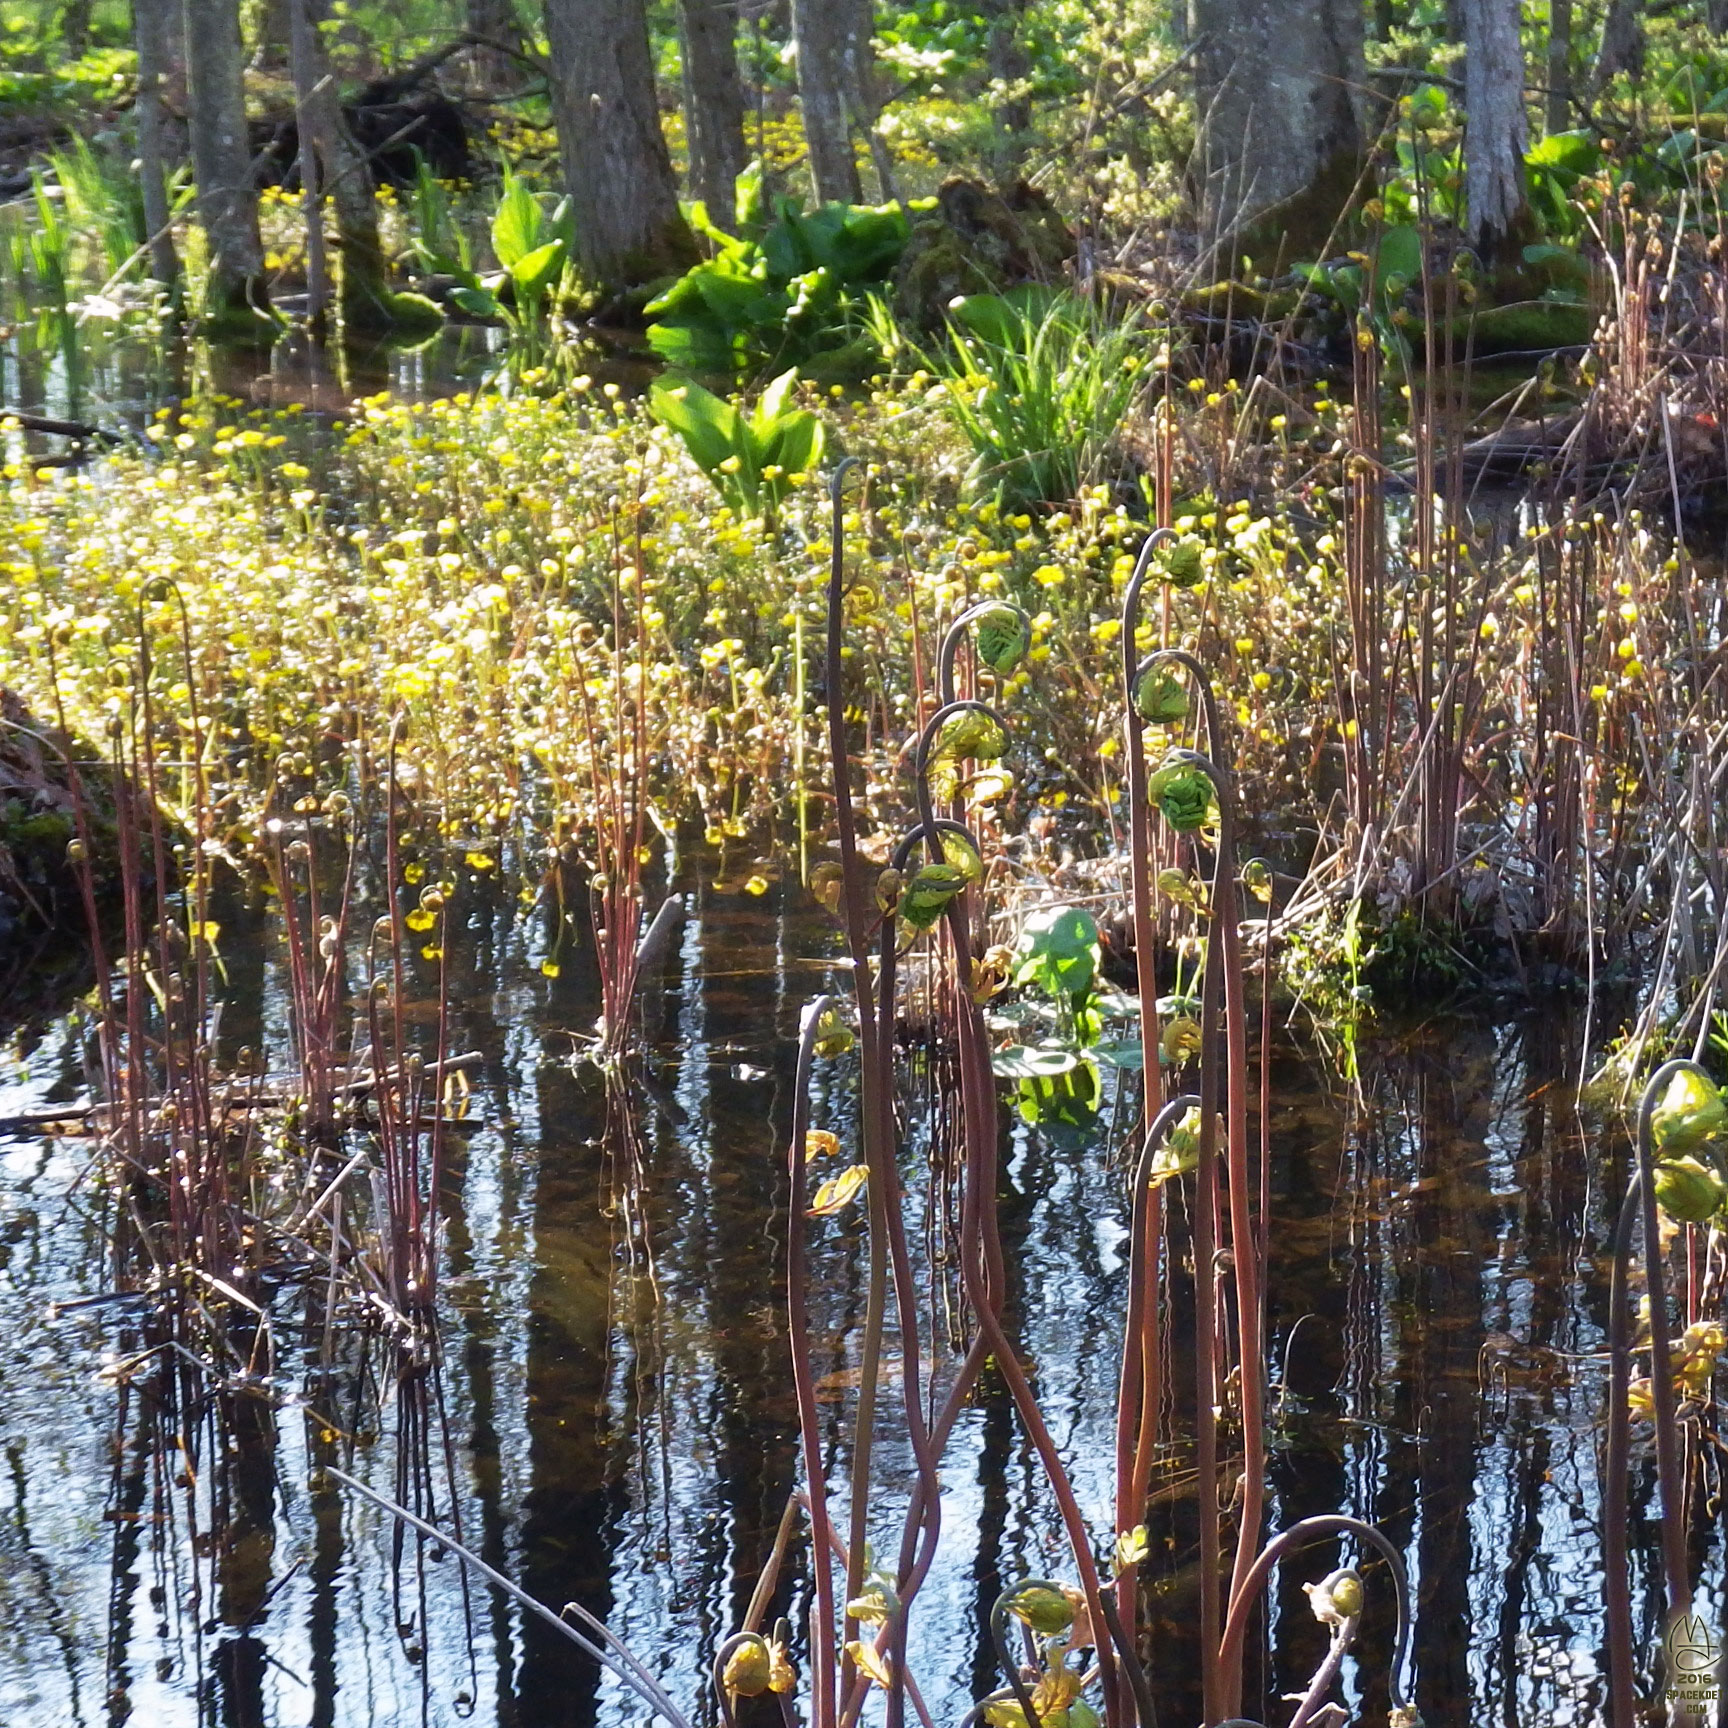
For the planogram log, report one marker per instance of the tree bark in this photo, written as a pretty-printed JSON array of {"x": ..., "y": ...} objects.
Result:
[
  {"x": 305, "y": 60},
  {"x": 75, "y": 27},
  {"x": 1494, "y": 135},
  {"x": 831, "y": 39},
  {"x": 492, "y": 69},
  {"x": 363, "y": 291},
  {"x": 1007, "y": 65},
  {"x": 713, "y": 103},
  {"x": 1622, "y": 47},
  {"x": 153, "y": 34},
  {"x": 617, "y": 169},
  {"x": 274, "y": 48},
  {"x": 1559, "y": 97},
  {"x": 1279, "y": 89},
  {"x": 222, "y": 158}
]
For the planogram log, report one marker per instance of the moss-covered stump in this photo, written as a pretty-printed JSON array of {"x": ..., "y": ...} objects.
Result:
[
  {"x": 40, "y": 896},
  {"x": 978, "y": 240}
]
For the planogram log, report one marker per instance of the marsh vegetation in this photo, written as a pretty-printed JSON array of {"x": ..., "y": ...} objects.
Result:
[{"x": 862, "y": 864}]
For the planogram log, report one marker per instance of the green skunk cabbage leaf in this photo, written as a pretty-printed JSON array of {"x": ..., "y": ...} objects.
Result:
[{"x": 1062, "y": 1107}]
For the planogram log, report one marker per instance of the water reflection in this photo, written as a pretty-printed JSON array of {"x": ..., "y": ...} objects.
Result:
[{"x": 614, "y": 1406}]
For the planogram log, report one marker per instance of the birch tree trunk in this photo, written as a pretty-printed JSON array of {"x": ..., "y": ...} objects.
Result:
[
  {"x": 153, "y": 34},
  {"x": 832, "y": 41},
  {"x": 617, "y": 168},
  {"x": 713, "y": 103},
  {"x": 222, "y": 159},
  {"x": 1281, "y": 133},
  {"x": 1494, "y": 129}
]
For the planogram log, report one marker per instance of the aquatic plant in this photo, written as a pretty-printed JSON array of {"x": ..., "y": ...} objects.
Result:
[
  {"x": 1679, "y": 1109},
  {"x": 788, "y": 293},
  {"x": 754, "y": 458},
  {"x": 1039, "y": 384},
  {"x": 533, "y": 250}
]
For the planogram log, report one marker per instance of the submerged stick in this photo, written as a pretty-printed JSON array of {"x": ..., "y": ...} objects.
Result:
[{"x": 625, "y": 1668}]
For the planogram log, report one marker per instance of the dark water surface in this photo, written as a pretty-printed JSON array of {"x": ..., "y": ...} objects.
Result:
[{"x": 618, "y": 1408}]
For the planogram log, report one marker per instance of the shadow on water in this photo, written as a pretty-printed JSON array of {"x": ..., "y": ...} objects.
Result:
[{"x": 616, "y": 1405}]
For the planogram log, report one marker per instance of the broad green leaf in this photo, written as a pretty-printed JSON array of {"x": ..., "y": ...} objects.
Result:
[
  {"x": 775, "y": 398},
  {"x": 1033, "y": 1061},
  {"x": 476, "y": 302},
  {"x": 869, "y": 243},
  {"x": 1120, "y": 1053},
  {"x": 535, "y": 269},
  {"x": 1572, "y": 153},
  {"x": 708, "y": 426},
  {"x": 1399, "y": 253},
  {"x": 516, "y": 225},
  {"x": 795, "y": 443},
  {"x": 1059, "y": 951}
]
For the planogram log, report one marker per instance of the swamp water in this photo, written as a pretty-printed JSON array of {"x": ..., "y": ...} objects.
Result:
[{"x": 617, "y": 1410}]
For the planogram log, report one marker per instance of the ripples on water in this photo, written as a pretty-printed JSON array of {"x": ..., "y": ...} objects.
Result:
[{"x": 619, "y": 1408}]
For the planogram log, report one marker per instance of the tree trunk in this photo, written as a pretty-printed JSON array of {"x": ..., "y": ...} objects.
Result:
[
  {"x": 1494, "y": 134},
  {"x": 713, "y": 103},
  {"x": 75, "y": 27},
  {"x": 492, "y": 69},
  {"x": 617, "y": 169},
  {"x": 1559, "y": 98},
  {"x": 1281, "y": 133},
  {"x": 1008, "y": 67},
  {"x": 1622, "y": 48},
  {"x": 344, "y": 174},
  {"x": 152, "y": 31},
  {"x": 304, "y": 60},
  {"x": 274, "y": 49},
  {"x": 832, "y": 41},
  {"x": 222, "y": 159}
]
